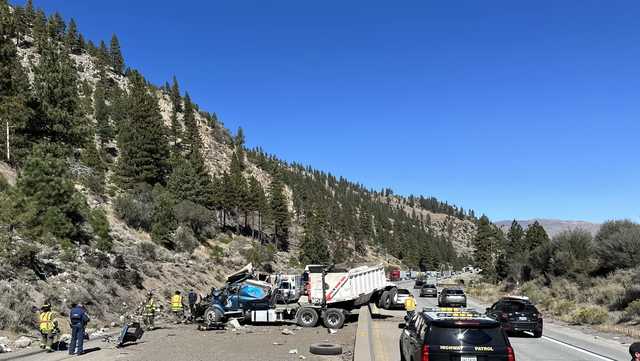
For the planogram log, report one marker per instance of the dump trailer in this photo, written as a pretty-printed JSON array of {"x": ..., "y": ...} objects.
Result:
[{"x": 344, "y": 291}]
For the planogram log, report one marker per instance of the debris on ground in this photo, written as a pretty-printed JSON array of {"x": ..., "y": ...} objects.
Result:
[
  {"x": 293, "y": 352},
  {"x": 277, "y": 344},
  {"x": 332, "y": 331},
  {"x": 302, "y": 357},
  {"x": 235, "y": 324},
  {"x": 288, "y": 332},
  {"x": 22, "y": 342},
  {"x": 4, "y": 348}
]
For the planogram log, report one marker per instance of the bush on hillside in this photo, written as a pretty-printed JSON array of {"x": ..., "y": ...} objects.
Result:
[
  {"x": 590, "y": 315},
  {"x": 147, "y": 251},
  {"x": 617, "y": 246},
  {"x": 135, "y": 211},
  {"x": 196, "y": 217},
  {"x": 100, "y": 225},
  {"x": 632, "y": 312},
  {"x": 15, "y": 307},
  {"x": 185, "y": 240}
]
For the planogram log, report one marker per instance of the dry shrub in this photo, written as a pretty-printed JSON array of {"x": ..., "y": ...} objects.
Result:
[
  {"x": 632, "y": 312},
  {"x": 590, "y": 315},
  {"x": 15, "y": 307}
]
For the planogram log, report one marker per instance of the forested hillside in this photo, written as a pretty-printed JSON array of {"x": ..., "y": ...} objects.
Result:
[{"x": 116, "y": 175}]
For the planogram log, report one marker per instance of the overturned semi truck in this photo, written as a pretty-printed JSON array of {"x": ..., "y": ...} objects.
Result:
[{"x": 254, "y": 301}]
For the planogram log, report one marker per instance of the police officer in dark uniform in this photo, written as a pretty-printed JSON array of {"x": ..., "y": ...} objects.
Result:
[
  {"x": 79, "y": 319},
  {"x": 634, "y": 350}
]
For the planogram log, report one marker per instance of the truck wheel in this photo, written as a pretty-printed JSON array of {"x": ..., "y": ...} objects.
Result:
[
  {"x": 333, "y": 318},
  {"x": 379, "y": 303},
  {"x": 213, "y": 315},
  {"x": 307, "y": 317},
  {"x": 383, "y": 299},
  {"x": 325, "y": 349},
  {"x": 387, "y": 301}
]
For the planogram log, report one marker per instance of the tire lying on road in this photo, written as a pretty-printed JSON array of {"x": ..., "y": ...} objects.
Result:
[
  {"x": 325, "y": 349},
  {"x": 333, "y": 318},
  {"x": 307, "y": 317}
]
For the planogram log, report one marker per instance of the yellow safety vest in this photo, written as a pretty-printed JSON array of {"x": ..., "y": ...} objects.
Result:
[
  {"x": 176, "y": 303},
  {"x": 150, "y": 308},
  {"x": 46, "y": 322},
  {"x": 410, "y": 304}
]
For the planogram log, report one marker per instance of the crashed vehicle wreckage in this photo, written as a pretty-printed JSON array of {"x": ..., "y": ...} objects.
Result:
[{"x": 252, "y": 301}]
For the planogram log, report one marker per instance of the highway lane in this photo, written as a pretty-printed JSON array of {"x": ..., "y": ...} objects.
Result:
[{"x": 559, "y": 343}]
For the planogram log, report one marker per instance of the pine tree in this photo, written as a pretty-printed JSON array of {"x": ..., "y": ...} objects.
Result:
[
  {"x": 164, "y": 222},
  {"x": 48, "y": 205},
  {"x": 40, "y": 32},
  {"x": 104, "y": 130},
  {"x": 29, "y": 12},
  {"x": 238, "y": 142},
  {"x": 314, "y": 248},
  {"x": 187, "y": 183},
  {"x": 192, "y": 141},
  {"x": 516, "y": 247},
  {"x": 486, "y": 243},
  {"x": 258, "y": 203},
  {"x": 14, "y": 109},
  {"x": 72, "y": 39},
  {"x": 104, "y": 59},
  {"x": 176, "y": 102},
  {"x": 56, "y": 27},
  {"x": 536, "y": 236},
  {"x": 117, "y": 61},
  {"x": 60, "y": 117},
  {"x": 144, "y": 155},
  {"x": 280, "y": 213}
]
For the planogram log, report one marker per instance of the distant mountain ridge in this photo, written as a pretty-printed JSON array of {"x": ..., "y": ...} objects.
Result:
[{"x": 552, "y": 226}]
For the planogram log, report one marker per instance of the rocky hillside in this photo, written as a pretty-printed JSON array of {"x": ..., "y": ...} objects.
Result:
[
  {"x": 553, "y": 226},
  {"x": 115, "y": 186}
]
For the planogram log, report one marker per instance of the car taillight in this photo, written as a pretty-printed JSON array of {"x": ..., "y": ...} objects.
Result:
[
  {"x": 425, "y": 353},
  {"x": 510, "y": 355}
]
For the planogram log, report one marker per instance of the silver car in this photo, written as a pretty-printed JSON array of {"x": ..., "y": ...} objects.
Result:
[
  {"x": 401, "y": 296},
  {"x": 452, "y": 297}
]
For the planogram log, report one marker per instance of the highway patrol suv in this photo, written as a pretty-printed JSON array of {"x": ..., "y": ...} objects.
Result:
[{"x": 453, "y": 334}]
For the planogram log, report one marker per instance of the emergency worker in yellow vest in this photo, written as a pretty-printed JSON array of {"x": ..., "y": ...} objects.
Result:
[
  {"x": 48, "y": 325},
  {"x": 177, "y": 307},
  {"x": 149, "y": 312},
  {"x": 410, "y": 305}
]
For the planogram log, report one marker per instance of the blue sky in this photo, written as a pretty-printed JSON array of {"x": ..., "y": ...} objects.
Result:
[{"x": 517, "y": 109}]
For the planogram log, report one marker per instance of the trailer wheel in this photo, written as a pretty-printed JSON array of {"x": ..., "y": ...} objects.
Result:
[
  {"x": 213, "y": 315},
  {"x": 307, "y": 317},
  {"x": 327, "y": 349},
  {"x": 333, "y": 318}
]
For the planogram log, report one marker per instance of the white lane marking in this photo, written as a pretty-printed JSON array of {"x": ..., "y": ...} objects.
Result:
[{"x": 579, "y": 349}]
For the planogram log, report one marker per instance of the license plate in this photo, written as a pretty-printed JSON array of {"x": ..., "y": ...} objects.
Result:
[
  {"x": 468, "y": 358},
  {"x": 522, "y": 318}
]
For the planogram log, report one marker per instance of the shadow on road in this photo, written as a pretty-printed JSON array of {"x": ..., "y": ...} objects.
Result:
[{"x": 90, "y": 350}]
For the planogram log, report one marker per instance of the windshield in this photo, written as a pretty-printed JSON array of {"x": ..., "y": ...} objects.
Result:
[
  {"x": 403, "y": 292},
  {"x": 429, "y": 286},
  {"x": 521, "y": 307},
  {"x": 467, "y": 336},
  {"x": 455, "y": 292}
]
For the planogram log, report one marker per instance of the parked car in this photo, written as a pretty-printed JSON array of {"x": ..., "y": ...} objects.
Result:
[
  {"x": 429, "y": 290},
  {"x": 438, "y": 336},
  {"x": 517, "y": 314},
  {"x": 401, "y": 296},
  {"x": 418, "y": 284},
  {"x": 452, "y": 297}
]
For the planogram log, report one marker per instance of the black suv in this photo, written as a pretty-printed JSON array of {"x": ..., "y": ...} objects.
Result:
[
  {"x": 445, "y": 334},
  {"x": 418, "y": 284},
  {"x": 517, "y": 314}
]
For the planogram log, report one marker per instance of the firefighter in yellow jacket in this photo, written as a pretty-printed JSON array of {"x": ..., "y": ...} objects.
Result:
[
  {"x": 149, "y": 312},
  {"x": 48, "y": 325},
  {"x": 177, "y": 307}
]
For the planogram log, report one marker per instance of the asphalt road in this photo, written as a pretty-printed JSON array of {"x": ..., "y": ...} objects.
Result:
[{"x": 559, "y": 343}]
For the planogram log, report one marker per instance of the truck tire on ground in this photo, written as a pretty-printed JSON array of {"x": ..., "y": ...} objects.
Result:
[
  {"x": 383, "y": 299},
  {"x": 325, "y": 349},
  {"x": 307, "y": 317},
  {"x": 333, "y": 318},
  {"x": 212, "y": 315}
]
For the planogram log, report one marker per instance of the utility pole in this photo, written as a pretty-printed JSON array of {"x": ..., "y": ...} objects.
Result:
[{"x": 8, "y": 151}]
